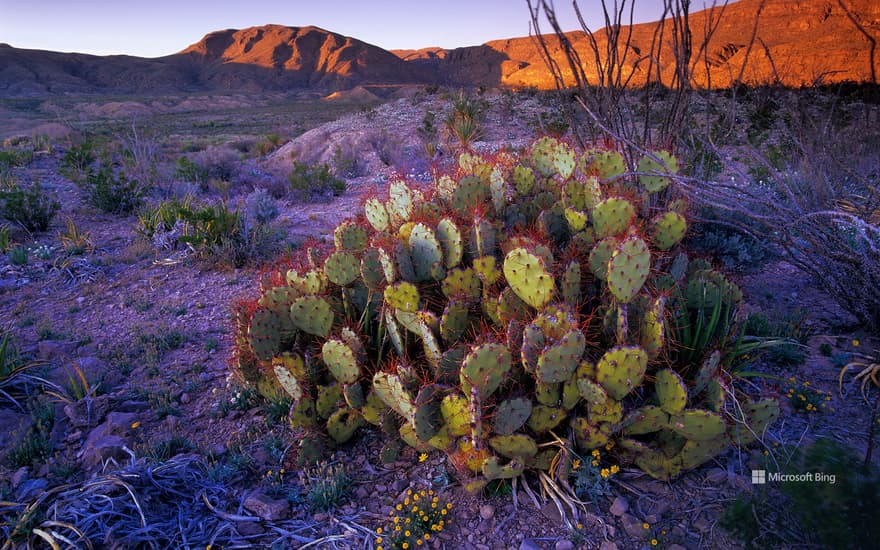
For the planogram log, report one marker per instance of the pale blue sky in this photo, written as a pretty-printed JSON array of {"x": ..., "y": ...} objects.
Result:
[{"x": 160, "y": 27}]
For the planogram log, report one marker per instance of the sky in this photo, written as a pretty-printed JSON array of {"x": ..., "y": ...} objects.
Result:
[{"x": 155, "y": 28}]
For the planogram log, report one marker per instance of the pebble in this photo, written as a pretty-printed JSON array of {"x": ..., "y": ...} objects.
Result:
[
  {"x": 487, "y": 511},
  {"x": 184, "y": 398},
  {"x": 564, "y": 544},
  {"x": 361, "y": 493},
  {"x": 529, "y": 544},
  {"x": 619, "y": 506},
  {"x": 608, "y": 545}
]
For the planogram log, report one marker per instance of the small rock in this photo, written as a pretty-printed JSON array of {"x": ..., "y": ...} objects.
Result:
[
  {"x": 608, "y": 545},
  {"x": 633, "y": 527},
  {"x": 361, "y": 493},
  {"x": 133, "y": 406},
  {"x": 551, "y": 512},
  {"x": 675, "y": 546},
  {"x": 18, "y": 477},
  {"x": 320, "y": 517},
  {"x": 184, "y": 398},
  {"x": 564, "y": 544},
  {"x": 487, "y": 511},
  {"x": 267, "y": 508},
  {"x": 479, "y": 546},
  {"x": 48, "y": 350},
  {"x": 529, "y": 544},
  {"x": 619, "y": 506},
  {"x": 652, "y": 519},
  {"x": 87, "y": 412},
  {"x": 249, "y": 528},
  {"x": 380, "y": 488}
]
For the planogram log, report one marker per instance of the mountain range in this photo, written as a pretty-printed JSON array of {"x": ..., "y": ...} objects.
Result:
[{"x": 796, "y": 43}]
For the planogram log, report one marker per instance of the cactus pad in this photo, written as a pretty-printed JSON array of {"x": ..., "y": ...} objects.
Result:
[
  {"x": 671, "y": 391},
  {"x": 376, "y": 214},
  {"x": 350, "y": 236},
  {"x": 390, "y": 390},
  {"x": 514, "y": 446},
  {"x": 559, "y": 361},
  {"x": 312, "y": 314},
  {"x": 264, "y": 334},
  {"x": 449, "y": 237},
  {"x": 628, "y": 269},
  {"x": 648, "y": 166},
  {"x": 400, "y": 203},
  {"x": 529, "y": 278},
  {"x": 342, "y": 268},
  {"x": 484, "y": 368},
  {"x": 454, "y": 321},
  {"x": 427, "y": 258},
  {"x": 600, "y": 256},
  {"x": 668, "y": 229},
  {"x": 343, "y": 423},
  {"x": 544, "y": 418},
  {"x": 511, "y": 414},
  {"x": 341, "y": 362},
  {"x": 621, "y": 369},
  {"x": 648, "y": 419},
  {"x": 461, "y": 283},
  {"x": 403, "y": 296},
  {"x": 612, "y": 216},
  {"x": 698, "y": 425}
]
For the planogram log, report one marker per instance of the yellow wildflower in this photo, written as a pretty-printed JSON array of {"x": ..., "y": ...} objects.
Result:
[
  {"x": 646, "y": 526},
  {"x": 653, "y": 542},
  {"x": 855, "y": 343},
  {"x": 575, "y": 464},
  {"x": 378, "y": 530},
  {"x": 604, "y": 472},
  {"x": 595, "y": 453},
  {"x": 423, "y": 457},
  {"x": 615, "y": 468},
  {"x": 135, "y": 425}
]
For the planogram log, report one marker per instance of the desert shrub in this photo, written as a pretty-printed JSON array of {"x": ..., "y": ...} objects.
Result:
[
  {"x": 457, "y": 318},
  {"x": 347, "y": 162},
  {"x": 217, "y": 162},
  {"x": 464, "y": 118},
  {"x": 79, "y": 158},
  {"x": 734, "y": 249},
  {"x": 260, "y": 207},
  {"x": 111, "y": 190},
  {"x": 29, "y": 205},
  {"x": 306, "y": 180},
  {"x": 189, "y": 171},
  {"x": 15, "y": 157}
]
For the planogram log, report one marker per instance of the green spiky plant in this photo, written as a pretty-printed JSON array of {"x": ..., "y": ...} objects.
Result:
[{"x": 516, "y": 300}]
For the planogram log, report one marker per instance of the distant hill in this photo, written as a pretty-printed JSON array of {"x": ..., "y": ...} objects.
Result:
[{"x": 798, "y": 42}]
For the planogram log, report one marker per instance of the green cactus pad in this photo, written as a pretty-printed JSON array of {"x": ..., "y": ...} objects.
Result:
[
  {"x": 329, "y": 399},
  {"x": 543, "y": 153},
  {"x": 647, "y": 166},
  {"x": 461, "y": 283},
  {"x": 529, "y": 278},
  {"x": 511, "y": 307},
  {"x": 492, "y": 470},
  {"x": 657, "y": 465},
  {"x": 350, "y": 236},
  {"x": 707, "y": 372},
  {"x": 671, "y": 391},
  {"x": 454, "y": 321},
  {"x": 373, "y": 409},
  {"x": 340, "y": 360},
  {"x": 342, "y": 268},
  {"x": 372, "y": 272},
  {"x": 592, "y": 392},
  {"x": 428, "y": 326},
  {"x": 514, "y": 446},
  {"x": 611, "y": 412},
  {"x": 376, "y": 214},
  {"x": 605, "y": 164},
  {"x": 571, "y": 284},
  {"x": 695, "y": 453},
  {"x": 523, "y": 180},
  {"x": 759, "y": 415},
  {"x": 698, "y": 425},
  {"x": 577, "y": 219},
  {"x": 587, "y": 435},
  {"x": 302, "y": 414},
  {"x": 668, "y": 229},
  {"x": 497, "y": 188},
  {"x": 652, "y": 333},
  {"x": 427, "y": 257},
  {"x": 484, "y": 368},
  {"x": 621, "y": 369},
  {"x": 312, "y": 282},
  {"x": 400, "y": 203},
  {"x": 628, "y": 269},
  {"x": 342, "y": 424},
  {"x": 487, "y": 270},
  {"x": 544, "y": 418},
  {"x": 548, "y": 394},
  {"x": 600, "y": 256},
  {"x": 264, "y": 333},
  {"x": 391, "y": 391},
  {"x": 456, "y": 414},
  {"x": 354, "y": 395},
  {"x": 426, "y": 416},
  {"x": 511, "y": 414},
  {"x": 449, "y": 237},
  {"x": 482, "y": 241},
  {"x": 715, "y": 396},
  {"x": 612, "y": 216},
  {"x": 278, "y": 300},
  {"x": 393, "y": 331},
  {"x": 559, "y": 361},
  {"x": 313, "y": 315},
  {"x": 647, "y": 419},
  {"x": 403, "y": 296},
  {"x": 470, "y": 193}
]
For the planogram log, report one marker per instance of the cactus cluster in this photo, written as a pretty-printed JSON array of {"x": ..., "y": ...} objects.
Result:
[{"x": 516, "y": 301}]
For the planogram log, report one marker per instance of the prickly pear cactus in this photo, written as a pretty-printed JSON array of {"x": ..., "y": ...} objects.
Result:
[{"x": 519, "y": 300}]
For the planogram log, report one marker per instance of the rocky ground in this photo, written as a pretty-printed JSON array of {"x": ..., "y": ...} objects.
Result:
[{"x": 153, "y": 335}]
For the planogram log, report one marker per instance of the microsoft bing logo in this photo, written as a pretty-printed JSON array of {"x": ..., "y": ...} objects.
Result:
[{"x": 759, "y": 477}]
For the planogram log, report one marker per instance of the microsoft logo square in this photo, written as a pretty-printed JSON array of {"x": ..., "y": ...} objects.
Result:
[{"x": 759, "y": 477}]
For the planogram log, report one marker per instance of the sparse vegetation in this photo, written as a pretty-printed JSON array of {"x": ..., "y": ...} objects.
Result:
[
  {"x": 30, "y": 206},
  {"x": 306, "y": 180}
]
